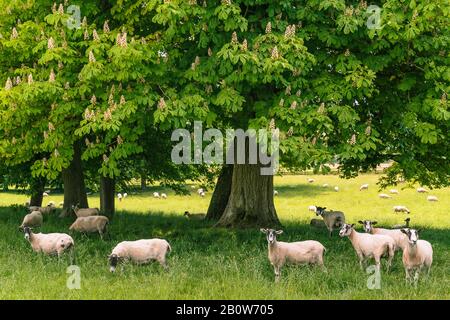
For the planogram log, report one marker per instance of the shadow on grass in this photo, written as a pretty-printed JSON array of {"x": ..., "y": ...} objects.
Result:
[{"x": 295, "y": 190}]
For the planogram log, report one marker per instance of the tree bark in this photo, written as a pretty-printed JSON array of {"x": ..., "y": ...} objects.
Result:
[
  {"x": 37, "y": 188},
  {"x": 107, "y": 196},
  {"x": 251, "y": 199},
  {"x": 74, "y": 187},
  {"x": 143, "y": 182},
  {"x": 221, "y": 193}
]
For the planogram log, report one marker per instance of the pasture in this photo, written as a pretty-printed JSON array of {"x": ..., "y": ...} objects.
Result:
[{"x": 211, "y": 263}]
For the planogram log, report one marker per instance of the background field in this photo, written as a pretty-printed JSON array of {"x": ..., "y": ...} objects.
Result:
[{"x": 209, "y": 263}]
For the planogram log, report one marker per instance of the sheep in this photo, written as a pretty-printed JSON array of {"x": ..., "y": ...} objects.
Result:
[
  {"x": 33, "y": 219},
  {"x": 51, "y": 203},
  {"x": 398, "y": 237},
  {"x": 119, "y": 196},
  {"x": 27, "y": 204},
  {"x": 401, "y": 209},
  {"x": 163, "y": 196},
  {"x": 432, "y": 198},
  {"x": 125, "y": 195},
  {"x": 45, "y": 194},
  {"x": 140, "y": 251},
  {"x": 318, "y": 223},
  {"x": 275, "y": 192},
  {"x": 301, "y": 252},
  {"x": 336, "y": 188},
  {"x": 422, "y": 190},
  {"x": 51, "y": 243},
  {"x": 364, "y": 187},
  {"x": 401, "y": 226},
  {"x": 156, "y": 195},
  {"x": 310, "y": 180},
  {"x": 312, "y": 208},
  {"x": 195, "y": 216},
  {"x": 48, "y": 209},
  {"x": 384, "y": 196},
  {"x": 393, "y": 191},
  {"x": 200, "y": 191},
  {"x": 91, "y": 224},
  {"x": 325, "y": 185},
  {"x": 416, "y": 254},
  {"x": 61, "y": 203},
  {"x": 369, "y": 246},
  {"x": 332, "y": 219},
  {"x": 85, "y": 212},
  {"x": 202, "y": 194}
]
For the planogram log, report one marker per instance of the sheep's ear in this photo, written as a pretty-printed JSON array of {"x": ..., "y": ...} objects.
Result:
[
  {"x": 352, "y": 225},
  {"x": 279, "y": 231},
  {"x": 405, "y": 231},
  {"x": 362, "y": 222},
  {"x": 374, "y": 222},
  {"x": 419, "y": 230},
  {"x": 263, "y": 230}
]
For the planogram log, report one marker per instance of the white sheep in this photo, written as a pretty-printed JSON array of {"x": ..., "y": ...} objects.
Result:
[
  {"x": 301, "y": 252},
  {"x": 384, "y": 196},
  {"x": 48, "y": 209},
  {"x": 401, "y": 226},
  {"x": 51, "y": 243},
  {"x": 91, "y": 224},
  {"x": 85, "y": 212},
  {"x": 325, "y": 185},
  {"x": 51, "y": 204},
  {"x": 310, "y": 180},
  {"x": 396, "y": 235},
  {"x": 336, "y": 188},
  {"x": 369, "y": 246},
  {"x": 125, "y": 195},
  {"x": 140, "y": 252},
  {"x": 332, "y": 219},
  {"x": 416, "y": 254},
  {"x": 45, "y": 194},
  {"x": 163, "y": 196},
  {"x": 422, "y": 190},
  {"x": 200, "y": 191},
  {"x": 275, "y": 192},
  {"x": 156, "y": 195},
  {"x": 195, "y": 216},
  {"x": 202, "y": 194},
  {"x": 401, "y": 209},
  {"x": 312, "y": 208},
  {"x": 119, "y": 196},
  {"x": 432, "y": 198},
  {"x": 393, "y": 191},
  {"x": 33, "y": 219},
  {"x": 364, "y": 187}
]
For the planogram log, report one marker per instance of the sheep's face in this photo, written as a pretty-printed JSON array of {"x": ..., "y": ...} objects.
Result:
[
  {"x": 367, "y": 225},
  {"x": 27, "y": 232},
  {"x": 320, "y": 210},
  {"x": 113, "y": 261},
  {"x": 412, "y": 234},
  {"x": 346, "y": 230},
  {"x": 271, "y": 234}
]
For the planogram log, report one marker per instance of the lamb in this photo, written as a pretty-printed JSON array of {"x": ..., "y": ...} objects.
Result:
[
  {"x": 312, "y": 208},
  {"x": 401, "y": 209},
  {"x": 401, "y": 226},
  {"x": 85, "y": 212},
  {"x": 336, "y": 188},
  {"x": 317, "y": 223},
  {"x": 119, "y": 196},
  {"x": 364, "y": 187},
  {"x": 332, "y": 219},
  {"x": 310, "y": 180},
  {"x": 275, "y": 192},
  {"x": 396, "y": 235},
  {"x": 416, "y": 254},
  {"x": 91, "y": 224},
  {"x": 163, "y": 196},
  {"x": 384, "y": 196},
  {"x": 301, "y": 252},
  {"x": 125, "y": 195},
  {"x": 195, "y": 216},
  {"x": 33, "y": 219},
  {"x": 140, "y": 251},
  {"x": 156, "y": 195},
  {"x": 369, "y": 245},
  {"x": 432, "y": 198},
  {"x": 51, "y": 243},
  {"x": 393, "y": 191},
  {"x": 422, "y": 190}
]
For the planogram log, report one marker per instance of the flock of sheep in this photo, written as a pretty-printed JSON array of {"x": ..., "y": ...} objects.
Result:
[{"x": 374, "y": 243}]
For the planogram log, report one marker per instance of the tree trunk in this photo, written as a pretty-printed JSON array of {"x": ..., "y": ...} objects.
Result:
[
  {"x": 107, "y": 196},
  {"x": 74, "y": 187},
  {"x": 37, "y": 188},
  {"x": 251, "y": 199},
  {"x": 221, "y": 193},
  {"x": 143, "y": 182}
]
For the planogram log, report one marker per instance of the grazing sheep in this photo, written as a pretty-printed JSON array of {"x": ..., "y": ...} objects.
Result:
[
  {"x": 332, "y": 219},
  {"x": 91, "y": 224},
  {"x": 416, "y": 254},
  {"x": 312, "y": 208},
  {"x": 51, "y": 243},
  {"x": 85, "y": 212},
  {"x": 119, "y": 196},
  {"x": 396, "y": 235},
  {"x": 364, "y": 187},
  {"x": 310, "y": 180},
  {"x": 401, "y": 226},
  {"x": 163, "y": 196},
  {"x": 422, "y": 190},
  {"x": 156, "y": 195},
  {"x": 33, "y": 219},
  {"x": 393, "y": 191},
  {"x": 125, "y": 195},
  {"x": 369, "y": 246},
  {"x": 275, "y": 192},
  {"x": 401, "y": 209},
  {"x": 317, "y": 223},
  {"x": 140, "y": 251},
  {"x": 195, "y": 216},
  {"x": 200, "y": 191},
  {"x": 432, "y": 198},
  {"x": 325, "y": 185},
  {"x": 336, "y": 188},
  {"x": 301, "y": 252},
  {"x": 45, "y": 194},
  {"x": 202, "y": 194},
  {"x": 384, "y": 196}
]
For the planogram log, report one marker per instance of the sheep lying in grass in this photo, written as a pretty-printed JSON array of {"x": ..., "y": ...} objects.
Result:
[
  {"x": 336, "y": 188},
  {"x": 393, "y": 191},
  {"x": 384, "y": 196},
  {"x": 416, "y": 254},
  {"x": 301, "y": 252},
  {"x": 140, "y": 252},
  {"x": 332, "y": 219},
  {"x": 369, "y": 246},
  {"x": 91, "y": 224},
  {"x": 325, "y": 185},
  {"x": 85, "y": 212},
  {"x": 195, "y": 216},
  {"x": 310, "y": 180},
  {"x": 317, "y": 223},
  {"x": 422, "y": 190},
  {"x": 364, "y": 187},
  {"x": 401, "y": 209},
  {"x": 396, "y": 235},
  {"x": 401, "y": 226},
  {"x": 33, "y": 219},
  {"x": 51, "y": 243},
  {"x": 432, "y": 198}
]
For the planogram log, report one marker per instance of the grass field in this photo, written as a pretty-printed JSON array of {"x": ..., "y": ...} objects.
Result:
[{"x": 210, "y": 263}]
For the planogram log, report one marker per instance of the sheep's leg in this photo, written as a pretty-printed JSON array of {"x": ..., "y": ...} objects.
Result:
[
  {"x": 277, "y": 273},
  {"x": 378, "y": 263},
  {"x": 407, "y": 275},
  {"x": 361, "y": 261}
]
